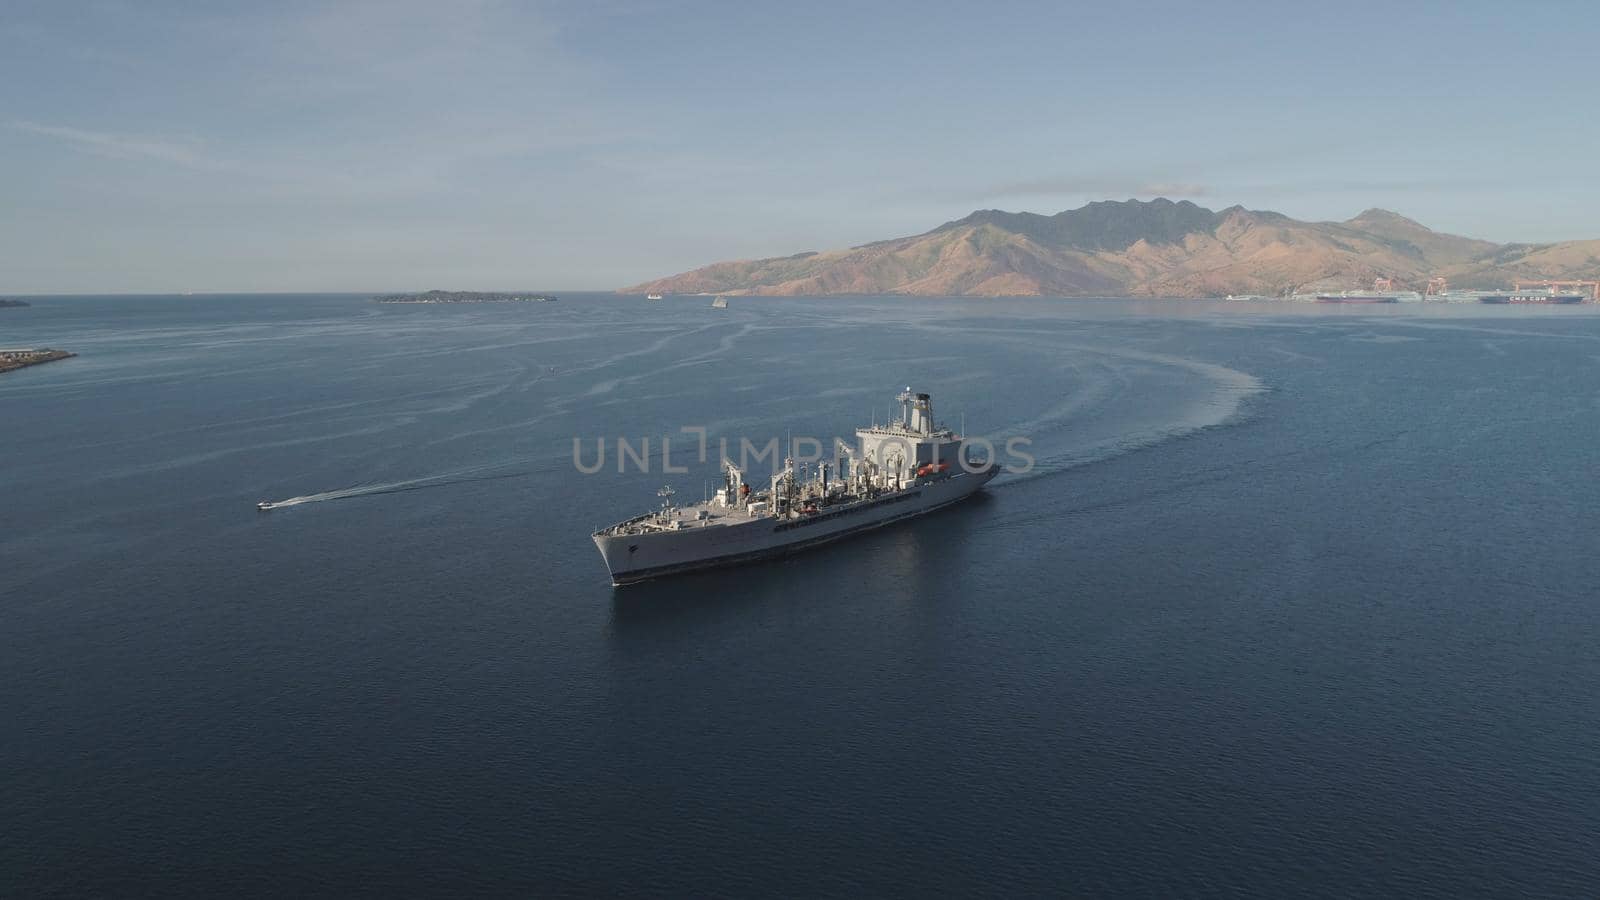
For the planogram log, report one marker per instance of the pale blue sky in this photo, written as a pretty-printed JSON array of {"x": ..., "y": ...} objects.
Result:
[{"x": 152, "y": 146}]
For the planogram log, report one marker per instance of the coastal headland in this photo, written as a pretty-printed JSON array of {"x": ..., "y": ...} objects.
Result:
[
  {"x": 463, "y": 297},
  {"x": 23, "y": 357}
]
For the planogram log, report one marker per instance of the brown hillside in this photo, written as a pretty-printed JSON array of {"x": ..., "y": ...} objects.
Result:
[{"x": 1138, "y": 248}]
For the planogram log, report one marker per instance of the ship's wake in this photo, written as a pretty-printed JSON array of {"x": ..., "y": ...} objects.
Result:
[
  {"x": 427, "y": 482},
  {"x": 1221, "y": 401},
  {"x": 1117, "y": 400}
]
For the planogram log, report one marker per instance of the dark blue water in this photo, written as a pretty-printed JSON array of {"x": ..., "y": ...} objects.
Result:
[{"x": 1295, "y": 602}]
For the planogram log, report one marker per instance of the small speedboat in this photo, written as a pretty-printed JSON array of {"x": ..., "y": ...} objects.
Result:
[{"x": 266, "y": 505}]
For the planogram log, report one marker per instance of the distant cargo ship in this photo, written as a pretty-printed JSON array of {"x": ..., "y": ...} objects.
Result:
[
  {"x": 1546, "y": 295},
  {"x": 1539, "y": 295},
  {"x": 1352, "y": 298},
  {"x": 1473, "y": 297},
  {"x": 1367, "y": 297},
  {"x": 905, "y": 469},
  {"x": 1360, "y": 297}
]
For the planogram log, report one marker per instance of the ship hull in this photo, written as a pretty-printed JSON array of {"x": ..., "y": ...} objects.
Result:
[
  {"x": 632, "y": 558},
  {"x": 1534, "y": 297}
]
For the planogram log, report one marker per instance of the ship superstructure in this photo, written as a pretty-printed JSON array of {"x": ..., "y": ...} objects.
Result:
[{"x": 897, "y": 471}]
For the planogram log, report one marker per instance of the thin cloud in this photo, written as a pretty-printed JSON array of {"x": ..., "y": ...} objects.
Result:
[
  {"x": 1103, "y": 187},
  {"x": 1174, "y": 188},
  {"x": 1423, "y": 184},
  {"x": 122, "y": 146},
  {"x": 1108, "y": 186}
]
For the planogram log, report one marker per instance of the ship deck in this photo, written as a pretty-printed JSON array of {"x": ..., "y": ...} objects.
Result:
[
  {"x": 684, "y": 518},
  {"x": 680, "y": 518}
]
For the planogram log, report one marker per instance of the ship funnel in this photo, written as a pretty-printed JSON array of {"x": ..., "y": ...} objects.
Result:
[{"x": 919, "y": 414}]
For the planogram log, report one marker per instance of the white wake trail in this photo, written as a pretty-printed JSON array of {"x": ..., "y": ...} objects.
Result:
[{"x": 487, "y": 472}]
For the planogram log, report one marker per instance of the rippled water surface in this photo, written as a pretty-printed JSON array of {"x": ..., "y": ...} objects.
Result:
[{"x": 1293, "y": 602}]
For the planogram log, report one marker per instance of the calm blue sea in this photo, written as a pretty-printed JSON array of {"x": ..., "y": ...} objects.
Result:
[{"x": 1295, "y": 602}]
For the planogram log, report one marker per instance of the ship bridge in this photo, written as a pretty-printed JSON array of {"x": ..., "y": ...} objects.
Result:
[{"x": 913, "y": 444}]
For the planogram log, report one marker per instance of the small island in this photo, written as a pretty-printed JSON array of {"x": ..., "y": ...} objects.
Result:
[
  {"x": 4, "y": 303},
  {"x": 463, "y": 297},
  {"x": 16, "y": 359}
]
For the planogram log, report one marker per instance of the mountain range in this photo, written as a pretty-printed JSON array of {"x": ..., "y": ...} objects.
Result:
[{"x": 1154, "y": 248}]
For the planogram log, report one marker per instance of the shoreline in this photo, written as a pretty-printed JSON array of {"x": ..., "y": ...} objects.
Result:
[
  {"x": 11, "y": 360},
  {"x": 463, "y": 297}
]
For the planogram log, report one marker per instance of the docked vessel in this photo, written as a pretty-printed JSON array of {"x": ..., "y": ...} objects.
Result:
[
  {"x": 1369, "y": 297},
  {"x": 898, "y": 471},
  {"x": 1529, "y": 295},
  {"x": 1473, "y": 297},
  {"x": 1543, "y": 295}
]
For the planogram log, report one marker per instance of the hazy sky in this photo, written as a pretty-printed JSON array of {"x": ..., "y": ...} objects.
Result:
[{"x": 152, "y": 146}]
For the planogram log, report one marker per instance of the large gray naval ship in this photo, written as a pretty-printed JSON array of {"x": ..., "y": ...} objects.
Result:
[{"x": 900, "y": 470}]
